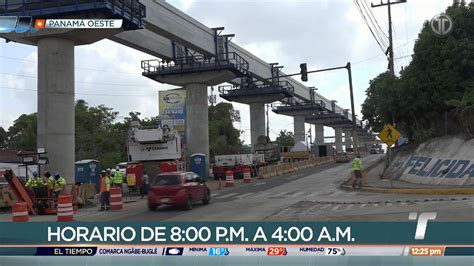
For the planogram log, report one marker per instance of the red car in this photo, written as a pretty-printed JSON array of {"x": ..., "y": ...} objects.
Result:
[{"x": 177, "y": 188}]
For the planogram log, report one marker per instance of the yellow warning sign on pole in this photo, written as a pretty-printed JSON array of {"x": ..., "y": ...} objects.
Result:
[{"x": 389, "y": 135}]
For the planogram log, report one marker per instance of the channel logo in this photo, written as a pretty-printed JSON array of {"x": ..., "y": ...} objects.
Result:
[
  {"x": 24, "y": 24},
  {"x": 173, "y": 251}
]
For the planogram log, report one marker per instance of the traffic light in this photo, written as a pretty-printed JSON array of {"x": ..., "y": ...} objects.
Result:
[{"x": 304, "y": 72}]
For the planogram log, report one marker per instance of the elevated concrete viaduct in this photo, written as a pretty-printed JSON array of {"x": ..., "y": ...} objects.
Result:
[{"x": 162, "y": 31}]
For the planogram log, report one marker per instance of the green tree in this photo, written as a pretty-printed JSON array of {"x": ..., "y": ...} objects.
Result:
[
  {"x": 464, "y": 110},
  {"x": 3, "y": 138},
  {"x": 381, "y": 105},
  {"x": 22, "y": 135},
  {"x": 224, "y": 138},
  {"x": 96, "y": 134},
  {"x": 285, "y": 138},
  {"x": 441, "y": 70}
]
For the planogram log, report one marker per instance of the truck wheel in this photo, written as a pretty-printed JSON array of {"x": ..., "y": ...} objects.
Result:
[
  {"x": 207, "y": 198},
  {"x": 189, "y": 204}
]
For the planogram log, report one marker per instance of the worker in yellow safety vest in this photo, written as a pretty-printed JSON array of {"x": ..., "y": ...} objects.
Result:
[
  {"x": 357, "y": 168},
  {"x": 104, "y": 191},
  {"x": 59, "y": 184},
  {"x": 118, "y": 178},
  {"x": 34, "y": 181},
  {"x": 50, "y": 181}
]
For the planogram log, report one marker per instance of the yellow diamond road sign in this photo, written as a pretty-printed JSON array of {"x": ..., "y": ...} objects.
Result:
[{"x": 389, "y": 135}]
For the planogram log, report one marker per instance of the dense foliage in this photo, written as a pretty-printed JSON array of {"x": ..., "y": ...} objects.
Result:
[
  {"x": 224, "y": 138},
  {"x": 99, "y": 135},
  {"x": 434, "y": 94},
  {"x": 285, "y": 138}
]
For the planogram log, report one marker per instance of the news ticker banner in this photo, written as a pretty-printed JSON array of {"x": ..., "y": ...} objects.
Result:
[
  {"x": 238, "y": 250},
  {"x": 421, "y": 232},
  {"x": 22, "y": 24}
]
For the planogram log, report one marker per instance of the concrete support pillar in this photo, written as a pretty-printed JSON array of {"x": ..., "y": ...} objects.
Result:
[
  {"x": 338, "y": 136},
  {"x": 257, "y": 122},
  {"x": 319, "y": 132},
  {"x": 197, "y": 120},
  {"x": 348, "y": 139},
  {"x": 56, "y": 104},
  {"x": 299, "y": 130}
]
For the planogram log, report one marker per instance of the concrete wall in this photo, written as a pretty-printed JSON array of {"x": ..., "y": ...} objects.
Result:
[{"x": 441, "y": 161}]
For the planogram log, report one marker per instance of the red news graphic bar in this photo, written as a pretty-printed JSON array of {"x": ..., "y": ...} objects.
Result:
[{"x": 276, "y": 251}]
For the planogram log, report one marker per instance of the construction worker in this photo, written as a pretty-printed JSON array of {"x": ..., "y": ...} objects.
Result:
[
  {"x": 145, "y": 182},
  {"x": 118, "y": 178},
  {"x": 59, "y": 184},
  {"x": 34, "y": 181},
  {"x": 50, "y": 181},
  {"x": 356, "y": 168},
  {"x": 104, "y": 191}
]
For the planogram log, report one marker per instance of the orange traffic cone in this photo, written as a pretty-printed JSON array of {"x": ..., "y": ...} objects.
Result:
[
  {"x": 229, "y": 178},
  {"x": 247, "y": 176}
]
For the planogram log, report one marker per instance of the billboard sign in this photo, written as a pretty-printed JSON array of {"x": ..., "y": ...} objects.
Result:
[{"x": 172, "y": 109}]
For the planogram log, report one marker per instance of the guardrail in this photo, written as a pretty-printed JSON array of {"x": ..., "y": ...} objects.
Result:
[{"x": 289, "y": 167}]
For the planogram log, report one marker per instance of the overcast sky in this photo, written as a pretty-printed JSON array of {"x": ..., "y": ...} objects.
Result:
[{"x": 323, "y": 33}]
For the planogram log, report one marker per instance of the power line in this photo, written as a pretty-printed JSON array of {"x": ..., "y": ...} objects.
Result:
[
  {"x": 76, "y": 67},
  {"x": 366, "y": 4},
  {"x": 382, "y": 36},
  {"x": 390, "y": 29},
  {"x": 81, "y": 93},
  {"x": 379, "y": 55},
  {"x": 367, "y": 59},
  {"x": 368, "y": 25},
  {"x": 86, "y": 82},
  {"x": 401, "y": 57}
]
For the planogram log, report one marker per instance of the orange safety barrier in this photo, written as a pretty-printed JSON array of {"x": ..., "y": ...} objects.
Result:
[
  {"x": 65, "y": 209},
  {"x": 229, "y": 178},
  {"x": 247, "y": 176},
  {"x": 116, "y": 202},
  {"x": 20, "y": 212}
]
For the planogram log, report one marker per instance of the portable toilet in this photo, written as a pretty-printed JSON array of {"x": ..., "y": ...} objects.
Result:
[
  {"x": 198, "y": 165},
  {"x": 88, "y": 172}
]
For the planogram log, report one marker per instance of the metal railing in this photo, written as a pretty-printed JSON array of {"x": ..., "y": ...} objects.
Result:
[
  {"x": 257, "y": 87},
  {"x": 198, "y": 62},
  {"x": 131, "y": 9},
  {"x": 290, "y": 104}
]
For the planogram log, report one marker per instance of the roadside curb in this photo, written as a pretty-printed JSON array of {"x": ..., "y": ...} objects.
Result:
[
  {"x": 410, "y": 201},
  {"x": 418, "y": 191}
]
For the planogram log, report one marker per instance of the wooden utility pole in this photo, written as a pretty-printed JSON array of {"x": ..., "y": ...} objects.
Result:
[{"x": 390, "y": 35}]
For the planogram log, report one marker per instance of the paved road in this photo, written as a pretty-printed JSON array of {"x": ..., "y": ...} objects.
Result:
[{"x": 310, "y": 194}]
